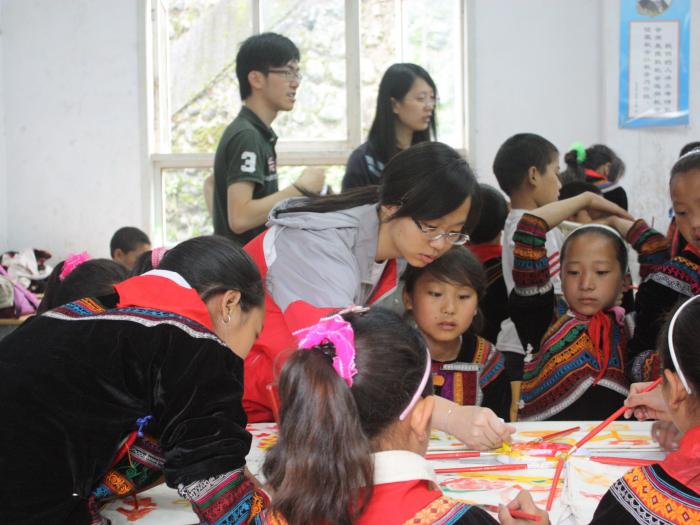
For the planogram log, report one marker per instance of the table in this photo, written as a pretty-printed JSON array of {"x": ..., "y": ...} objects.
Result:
[{"x": 584, "y": 481}]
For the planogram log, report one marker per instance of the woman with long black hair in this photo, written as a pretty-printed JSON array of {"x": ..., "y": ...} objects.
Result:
[{"x": 405, "y": 115}]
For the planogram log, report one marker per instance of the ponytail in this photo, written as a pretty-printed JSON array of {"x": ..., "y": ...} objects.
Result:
[
  {"x": 318, "y": 471},
  {"x": 321, "y": 468}
]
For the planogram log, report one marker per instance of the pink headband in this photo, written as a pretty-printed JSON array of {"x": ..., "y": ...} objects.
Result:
[
  {"x": 335, "y": 330},
  {"x": 157, "y": 256},
  {"x": 72, "y": 262},
  {"x": 421, "y": 386}
]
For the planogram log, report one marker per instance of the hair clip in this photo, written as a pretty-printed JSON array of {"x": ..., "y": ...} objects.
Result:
[
  {"x": 327, "y": 349},
  {"x": 580, "y": 150},
  {"x": 338, "y": 332},
  {"x": 157, "y": 256},
  {"x": 354, "y": 309},
  {"x": 72, "y": 262}
]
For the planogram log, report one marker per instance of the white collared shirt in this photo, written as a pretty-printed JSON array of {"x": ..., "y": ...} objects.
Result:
[{"x": 392, "y": 466}]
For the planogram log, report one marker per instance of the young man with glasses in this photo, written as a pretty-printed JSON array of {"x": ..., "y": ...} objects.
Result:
[{"x": 245, "y": 165}]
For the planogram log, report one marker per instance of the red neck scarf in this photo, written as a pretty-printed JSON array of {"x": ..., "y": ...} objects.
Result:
[
  {"x": 684, "y": 464},
  {"x": 600, "y": 330},
  {"x": 165, "y": 291},
  {"x": 595, "y": 175}
]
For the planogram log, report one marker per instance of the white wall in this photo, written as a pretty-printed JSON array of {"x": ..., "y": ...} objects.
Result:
[
  {"x": 72, "y": 93},
  {"x": 3, "y": 167},
  {"x": 73, "y": 122},
  {"x": 534, "y": 67},
  {"x": 649, "y": 153}
]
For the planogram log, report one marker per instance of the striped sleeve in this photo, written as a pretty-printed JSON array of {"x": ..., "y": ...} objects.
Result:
[
  {"x": 652, "y": 247},
  {"x": 229, "y": 498},
  {"x": 531, "y": 272}
]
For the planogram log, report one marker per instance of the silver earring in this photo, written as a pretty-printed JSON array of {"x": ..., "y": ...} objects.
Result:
[{"x": 227, "y": 320}]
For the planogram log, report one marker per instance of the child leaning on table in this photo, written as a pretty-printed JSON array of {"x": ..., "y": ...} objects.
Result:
[
  {"x": 669, "y": 491},
  {"x": 355, "y": 411}
]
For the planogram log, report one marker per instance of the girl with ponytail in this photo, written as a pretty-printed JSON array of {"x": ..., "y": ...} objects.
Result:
[{"x": 356, "y": 405}]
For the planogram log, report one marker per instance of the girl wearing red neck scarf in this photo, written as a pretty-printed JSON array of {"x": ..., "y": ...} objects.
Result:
[{"x": 575, "y": 360}]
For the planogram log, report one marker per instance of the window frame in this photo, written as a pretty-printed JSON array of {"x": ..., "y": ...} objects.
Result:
[{"x": 289, "y": 153}]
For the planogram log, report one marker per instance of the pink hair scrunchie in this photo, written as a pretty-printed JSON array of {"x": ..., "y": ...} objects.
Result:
[
  {"x": 72, "y": 262},
  {"x": 335, "y": 330},
  {"x": 157, "y": 256}
]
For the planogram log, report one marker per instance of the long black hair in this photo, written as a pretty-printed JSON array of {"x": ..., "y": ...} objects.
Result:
[
  {"x": 321, "y": 468},
  {"x": 213, "y": 264},
  {"x": 426, "y": 181},
  {"x": 395, "y": 83}
]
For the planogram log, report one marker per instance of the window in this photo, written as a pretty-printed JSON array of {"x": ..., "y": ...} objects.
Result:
[{"x": 345, "y": 45}]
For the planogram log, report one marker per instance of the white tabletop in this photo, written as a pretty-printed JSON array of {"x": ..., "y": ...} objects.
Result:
[{"x": 584, "y": 481}]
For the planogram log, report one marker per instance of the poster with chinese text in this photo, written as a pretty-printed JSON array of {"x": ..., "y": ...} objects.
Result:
[{"x": 654, "y": 63}]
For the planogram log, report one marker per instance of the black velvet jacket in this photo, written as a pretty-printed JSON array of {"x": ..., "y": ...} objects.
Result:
[{"x": 74, "y": 381}]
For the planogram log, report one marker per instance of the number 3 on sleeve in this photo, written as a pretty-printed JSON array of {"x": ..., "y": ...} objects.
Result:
[{"x": 248, "y": 158}]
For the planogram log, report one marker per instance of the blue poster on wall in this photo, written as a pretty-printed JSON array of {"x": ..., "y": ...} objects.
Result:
[{"x": 654, "y": 62}]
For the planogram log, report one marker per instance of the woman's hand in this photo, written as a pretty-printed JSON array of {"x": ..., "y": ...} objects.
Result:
[
  {"x": 522, "y": 502},
  {"x": 666, "y": 434},
  {"x": 477, "y": 427},
  {"x": 648, "y": 405}
]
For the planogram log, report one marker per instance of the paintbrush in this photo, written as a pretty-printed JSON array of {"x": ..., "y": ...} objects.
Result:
[
  {"x": 555, "y": 482},
  {"x": 454, "y": 455},
  {"x": 482, "y": 468},
  {"x": 585, "y": 439},
  {"x": 560, "y": 433},
  {"x": 628, "y": 462}
]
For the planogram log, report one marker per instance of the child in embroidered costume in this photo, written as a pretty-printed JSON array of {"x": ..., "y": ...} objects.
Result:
[
  {"x": 574, "y": 368},
  {"x": 356, "y": 409},
  {"x": 161, "y": 354},
  {"x": 444, "y": 299},
  {"x": 671, "y": 280},
  {"x": 667, "y": 492}
]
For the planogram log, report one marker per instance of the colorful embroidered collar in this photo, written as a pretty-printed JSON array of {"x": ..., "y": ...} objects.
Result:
[{"x": 164, "y": 290}]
